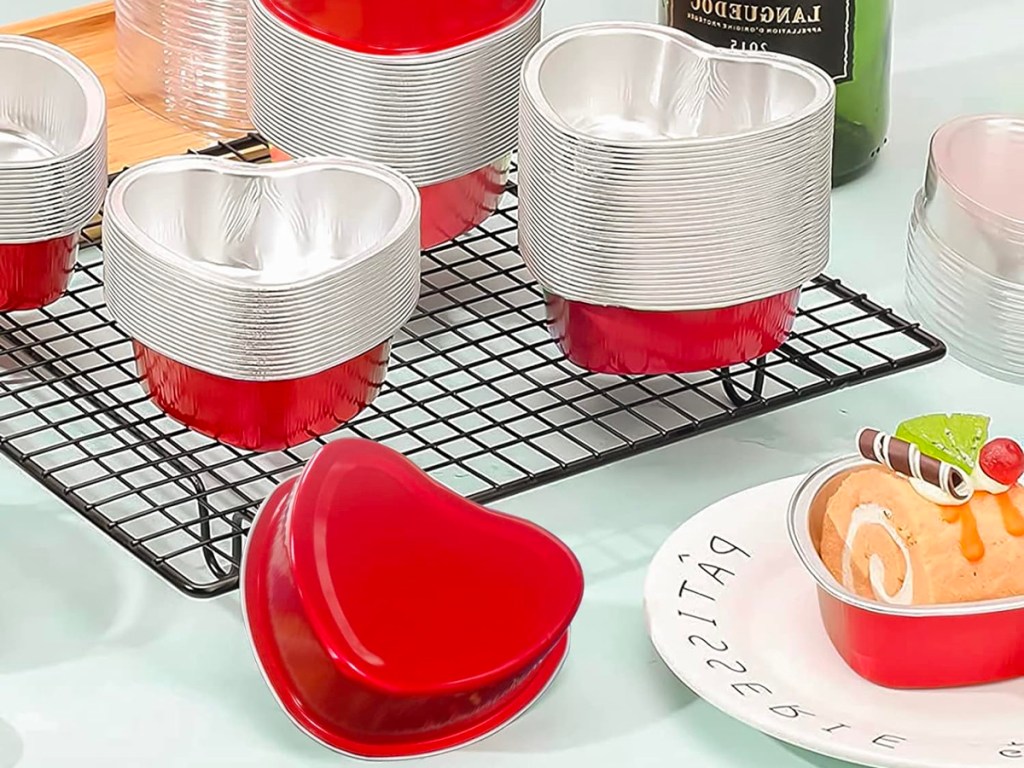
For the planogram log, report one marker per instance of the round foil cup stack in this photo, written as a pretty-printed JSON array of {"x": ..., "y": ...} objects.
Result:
[
  {"x": 261, "y": 299},
  {"x": 53, "y": 167},
  {"x": 436, "y": 101},
  {"x": 673, "y": 197},
  {"x": 965, "y": 246},
  {"x": 186, "y": 61}
]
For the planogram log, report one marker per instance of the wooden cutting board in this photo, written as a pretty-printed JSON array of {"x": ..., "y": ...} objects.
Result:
[{"x": 135, "y": 134}]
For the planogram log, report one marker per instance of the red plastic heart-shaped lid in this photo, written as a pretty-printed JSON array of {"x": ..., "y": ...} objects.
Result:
[
  {"x": 404, "y": 27},
  {"x": 414, "y": 589}
]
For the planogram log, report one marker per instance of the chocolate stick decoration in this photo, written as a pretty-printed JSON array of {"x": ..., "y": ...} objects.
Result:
[{"x": 907, "y": 459}]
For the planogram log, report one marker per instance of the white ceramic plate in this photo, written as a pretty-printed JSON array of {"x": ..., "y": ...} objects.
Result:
[{"x": 735, "y": 617}]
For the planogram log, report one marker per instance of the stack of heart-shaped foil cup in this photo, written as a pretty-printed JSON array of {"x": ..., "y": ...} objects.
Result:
[
  {"x": 674, "y": 197},
  {"x": 186, "y": 61},
  {"x": 261, "y": 299},
  {"x": 53, "y": 167},
  {"x": 420, "y": 89},
  {"x": 965, "y": 249}
]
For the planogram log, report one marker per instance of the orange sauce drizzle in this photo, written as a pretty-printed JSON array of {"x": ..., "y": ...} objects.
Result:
[
  {"x": 971, "y": 545},
  {"x": 1013, "y": 520}
]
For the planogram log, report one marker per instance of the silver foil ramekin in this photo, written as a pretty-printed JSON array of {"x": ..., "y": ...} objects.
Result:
[
  {"x": 658, "y": 173},
  {"x": 434, "y": 117},
  {"x": 53, "y": 142},
  {"x": 261, "y": 273}
]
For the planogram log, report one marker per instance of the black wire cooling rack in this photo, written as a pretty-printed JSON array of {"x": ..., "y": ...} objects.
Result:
[{"x": 477, "y": 395}]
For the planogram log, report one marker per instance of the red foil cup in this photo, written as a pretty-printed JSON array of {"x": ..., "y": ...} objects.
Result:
[
  {"x": 925, "y": 646},
  {"x": 452, "y": 208},
  {"x": 629, "y": 341},
  {"x": 262, "y": 415},
  {"x": 393, "y": 618},
  {"x": 417, "y": 26},
  {"x": 33, "y": 275}
]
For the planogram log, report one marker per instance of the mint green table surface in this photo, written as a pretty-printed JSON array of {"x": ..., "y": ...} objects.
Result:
[{"x": 101, "y": 664}]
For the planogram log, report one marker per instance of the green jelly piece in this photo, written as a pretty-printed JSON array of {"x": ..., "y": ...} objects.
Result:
[{"x": 955, "y": 438}]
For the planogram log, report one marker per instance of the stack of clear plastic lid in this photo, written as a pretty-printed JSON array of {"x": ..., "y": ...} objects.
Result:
[
  {"x": 435, "y": 100},
  {"x": 965, "y": 246},
  {"x": 262, "y": 299},
  {"x": 186, "y": 60},
  {"x": 53, "y": 167},
  {"x": 662, "y": 176}
]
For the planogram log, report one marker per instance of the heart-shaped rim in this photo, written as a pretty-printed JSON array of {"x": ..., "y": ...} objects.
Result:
[
  {"x": 799, "y": 522},
  {"x": 322, "y": 481},
  {"x": 257, "y": 623},
  {"x": 379, "y": 28},
  {"x": 118, "y": 210},
  {"x": 41, "y": 61},
  {"x": 980, "y": 159},
  {"x": 533, "y": 88},
  {"x": 412, "y": 113},
  {"x": 271, "y": 542}
]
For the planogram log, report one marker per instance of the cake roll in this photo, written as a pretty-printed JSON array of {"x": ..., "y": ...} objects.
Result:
[
  {"x": 883, "y": 540},
  {"x": 912, "y": 529}
]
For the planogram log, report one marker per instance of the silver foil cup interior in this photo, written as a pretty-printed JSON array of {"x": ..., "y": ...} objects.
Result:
[
  {"x": 646, "y": 83},
  {"x": 805, "y": 521},
  {"x": 52, "y": 106},
  {"x": 53, "y": 142},
  {"x": 661, "y": 174},
  {"x": 281, "y": 225},
  {"x": 261, "y": 272}
]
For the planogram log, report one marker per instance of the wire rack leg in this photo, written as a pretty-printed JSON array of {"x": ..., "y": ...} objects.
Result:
[
  {"x": 215, "y": 559},
  {"x": 756, "y": 389}
]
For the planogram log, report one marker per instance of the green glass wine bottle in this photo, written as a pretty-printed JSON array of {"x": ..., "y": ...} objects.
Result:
[{"x": 849, "y": 39}]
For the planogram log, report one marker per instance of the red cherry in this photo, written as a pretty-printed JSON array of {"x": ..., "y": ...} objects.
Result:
[{"x": 1003, "y": 460}]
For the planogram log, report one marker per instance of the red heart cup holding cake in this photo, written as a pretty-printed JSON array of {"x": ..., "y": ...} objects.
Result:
[{"x": 916, "y": 545}]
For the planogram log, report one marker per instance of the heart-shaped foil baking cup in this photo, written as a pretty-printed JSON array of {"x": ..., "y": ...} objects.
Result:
[
  {"x": 261, "y": 299},
  {"x": 53, "y": 167},
  {"x": 673, "y": 197},
  {"x": 902, "y": 646},
  {"x": 440, "y": 108},
  {"x": 408, "y": 28},
  {"x": 393, "y": 618}
]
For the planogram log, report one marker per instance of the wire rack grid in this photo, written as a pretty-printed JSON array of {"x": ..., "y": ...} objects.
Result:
[{"x": 477, "y": 395}]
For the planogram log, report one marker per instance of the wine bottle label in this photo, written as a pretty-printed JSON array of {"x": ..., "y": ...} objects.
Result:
[{"x": 821, "y": 33}]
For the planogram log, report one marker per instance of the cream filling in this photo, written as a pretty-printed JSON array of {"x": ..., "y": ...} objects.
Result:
[
  {"x": 936, "y": 495},
  {"x": 873, "y": 514},
  {"x": 983, "y": 482},
  {"x": 978, "y": 480}
]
